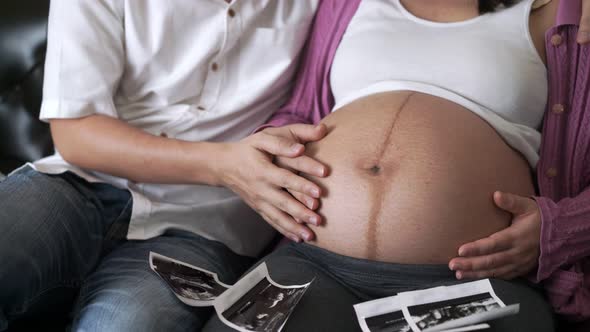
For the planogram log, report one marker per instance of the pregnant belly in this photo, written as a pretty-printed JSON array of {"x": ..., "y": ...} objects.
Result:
[{"x": 411, "y": 179}]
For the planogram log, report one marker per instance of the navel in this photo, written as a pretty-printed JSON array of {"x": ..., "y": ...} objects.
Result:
[{"x": 375, "y": 170}]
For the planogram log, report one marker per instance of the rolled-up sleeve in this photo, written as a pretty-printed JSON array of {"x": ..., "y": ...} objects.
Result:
[{"x": 85, "y": 58}]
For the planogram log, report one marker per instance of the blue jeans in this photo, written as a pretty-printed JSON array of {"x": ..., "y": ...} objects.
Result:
[{"x": 62, "y": 241}]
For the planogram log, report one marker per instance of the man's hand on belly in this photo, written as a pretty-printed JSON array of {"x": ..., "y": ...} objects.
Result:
[
  {"x": 509, "y": 253},
  {"x": 311, "y": 167},
  {"x": 249, "y": 171}
]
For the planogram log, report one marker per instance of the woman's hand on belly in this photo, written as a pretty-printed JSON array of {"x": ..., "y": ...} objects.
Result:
[{"x": 509, "y": 253}]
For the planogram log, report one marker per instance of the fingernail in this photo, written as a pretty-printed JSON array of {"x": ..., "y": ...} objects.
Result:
[
  {"x": 452, "y": 267},
  {"x": 314, "y": 220},
  {"x": 306, "y": 236},
  {"x": 459, "y": 275},
  {"x": 310, "y": 204},
  {"x": 321, "y": 171},
  {"x": 315, "y": 192},
  {"x": 296, "y": 147},
  {"x": 294, "y": 238},
  {"x": 583, "y": 37}
]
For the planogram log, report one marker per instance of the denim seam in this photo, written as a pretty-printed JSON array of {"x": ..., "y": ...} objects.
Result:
[
  {"x": 129, "y": 201},
  {"x": 113, "y": 227}
]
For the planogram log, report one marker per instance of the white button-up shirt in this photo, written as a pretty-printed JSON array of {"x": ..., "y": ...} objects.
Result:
[{"x": 196, "y": 70}]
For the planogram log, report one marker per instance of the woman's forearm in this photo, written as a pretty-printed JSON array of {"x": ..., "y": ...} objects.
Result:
[
  {"x": 565, "y": 232},
  {"x": 108, "y": 145},
  {"x": 569, "y": 293}
]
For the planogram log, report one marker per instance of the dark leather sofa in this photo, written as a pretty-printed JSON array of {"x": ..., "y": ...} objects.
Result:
[
  {"x": 22, "y": 54},
  {"x": 22, "y": 136}
]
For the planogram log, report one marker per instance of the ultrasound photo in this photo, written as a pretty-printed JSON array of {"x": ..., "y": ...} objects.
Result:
[
  {"x": 433, "y": 314},
  {"x": 389, "y": 322},
  {"x": 265, "y": 308},
  {"x": 456, "y": 308},
  {"x": 192, "y": 285},
  {"x": 257, "y": 303}
]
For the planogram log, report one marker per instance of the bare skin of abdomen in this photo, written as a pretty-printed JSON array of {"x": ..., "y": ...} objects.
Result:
[{"x": 412, "y": 178}]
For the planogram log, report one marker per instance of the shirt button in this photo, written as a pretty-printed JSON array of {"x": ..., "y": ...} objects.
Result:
[
  {"x": 215, "y": 66},
  {"x": 163, "y": 135},
  {"x": 228, "y": 1},
  {"x": 558, "y": 109},
  {"x": 231, "y": 13},
  {"x": 551, "y": 172},
  {"x": 556, "y": 40},
  {"x": 201, "y": 108}
]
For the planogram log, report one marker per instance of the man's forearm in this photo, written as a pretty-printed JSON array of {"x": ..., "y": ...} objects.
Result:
[
  {"x": 111, "y": 146},
  {"x": 108, "y": 145}
]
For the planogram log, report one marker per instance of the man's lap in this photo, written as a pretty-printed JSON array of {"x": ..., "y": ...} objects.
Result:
[
  {"x": 123, "y": 294},
  {"x": 55, "y": 232},
  {"x": 51, "y": 235}
]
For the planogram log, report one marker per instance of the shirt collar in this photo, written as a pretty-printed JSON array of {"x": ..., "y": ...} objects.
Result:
[{"x": 569, "y": 12}]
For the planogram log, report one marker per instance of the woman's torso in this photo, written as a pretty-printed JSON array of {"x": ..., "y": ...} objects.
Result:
[{"x": 412, "y": 177}]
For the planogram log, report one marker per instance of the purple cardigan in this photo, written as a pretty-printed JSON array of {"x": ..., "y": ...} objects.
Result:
[{"x": 564, "y": 167}]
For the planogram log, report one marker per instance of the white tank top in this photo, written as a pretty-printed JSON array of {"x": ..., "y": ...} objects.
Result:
[{"x": 487, "y": 64}]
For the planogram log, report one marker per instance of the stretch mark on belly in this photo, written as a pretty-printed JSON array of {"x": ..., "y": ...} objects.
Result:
[{"x": 380, "y": 186}]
